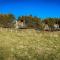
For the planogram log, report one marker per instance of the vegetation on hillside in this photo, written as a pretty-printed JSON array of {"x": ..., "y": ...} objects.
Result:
[{"x": 8, "y": 20}]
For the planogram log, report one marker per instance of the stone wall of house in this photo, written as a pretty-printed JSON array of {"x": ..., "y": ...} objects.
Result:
[{"x": 20, "y": 24}]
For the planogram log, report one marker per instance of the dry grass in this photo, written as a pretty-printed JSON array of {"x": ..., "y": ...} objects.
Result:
[{"x": 29, "y": 45}]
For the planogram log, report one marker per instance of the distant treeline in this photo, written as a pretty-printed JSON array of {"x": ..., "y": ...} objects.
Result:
[{"x": 9, "y": 21}]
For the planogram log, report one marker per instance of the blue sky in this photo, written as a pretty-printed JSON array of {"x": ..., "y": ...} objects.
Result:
[{"x": 39, "y": 8}]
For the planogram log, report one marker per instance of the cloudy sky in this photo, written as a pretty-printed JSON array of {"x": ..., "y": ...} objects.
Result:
[{"x": 40, "y": 8}]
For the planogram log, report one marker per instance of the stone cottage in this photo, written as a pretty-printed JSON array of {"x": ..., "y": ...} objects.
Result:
[{"x": 20, "y": 24}]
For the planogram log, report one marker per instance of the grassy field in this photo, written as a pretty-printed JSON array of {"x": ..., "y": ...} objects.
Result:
[{"x": 29, "y": 45}]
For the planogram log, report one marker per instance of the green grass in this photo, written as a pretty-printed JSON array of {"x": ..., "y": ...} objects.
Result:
[{"x": 29, "y": 45}]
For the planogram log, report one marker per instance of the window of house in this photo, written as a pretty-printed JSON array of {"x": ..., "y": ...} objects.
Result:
[{"x": 21, "y": 20}]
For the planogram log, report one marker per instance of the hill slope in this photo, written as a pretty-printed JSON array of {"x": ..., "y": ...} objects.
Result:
[{"x": 29, "y": 45}]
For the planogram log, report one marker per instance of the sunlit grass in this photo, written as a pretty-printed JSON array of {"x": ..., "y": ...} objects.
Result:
[{"x": 29, "y": 45}]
